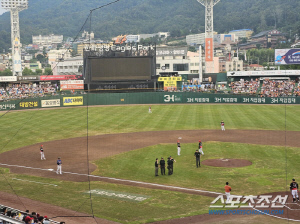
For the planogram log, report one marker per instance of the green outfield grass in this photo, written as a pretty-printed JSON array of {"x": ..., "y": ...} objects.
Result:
[
  {"x": 28, "y": 127},
  {"x": 162, "y": 204},
  {"x": 266, "y": 174}
]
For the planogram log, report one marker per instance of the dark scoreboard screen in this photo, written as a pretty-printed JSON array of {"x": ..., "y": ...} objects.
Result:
[{"x": 121, "y": 69}]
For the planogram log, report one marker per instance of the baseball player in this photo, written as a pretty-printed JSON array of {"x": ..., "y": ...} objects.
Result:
[
  {"x": 294, "y": 188},
  {"x": 178, "y": 148},
  {"x": 150, "y": 111},
  {"x": 227, "y": 192},
  {"x": 200, "y": 147},
  {"x": 42, "y": 153},
  {"x": 222, "y": 126},
  {"x": 58, "y": 171}
]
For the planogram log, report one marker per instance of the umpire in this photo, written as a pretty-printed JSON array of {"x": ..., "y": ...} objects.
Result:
[
  {"x": 156, "y": 167},
  {"x": 162, "y": 164},
  {"x": 197, "y": 155}
]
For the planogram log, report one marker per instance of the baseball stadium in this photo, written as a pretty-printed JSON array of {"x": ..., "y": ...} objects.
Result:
[{"x": 88, "y": 148}]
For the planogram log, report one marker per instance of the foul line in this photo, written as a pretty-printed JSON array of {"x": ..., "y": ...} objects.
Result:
[{"x": 145, "y": 183}]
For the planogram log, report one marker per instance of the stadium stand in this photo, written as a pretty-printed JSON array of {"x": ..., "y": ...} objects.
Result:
[
  {"x": 14, "y": 216},
  {"x": 277, "y": 88},
  {"x": 25, "y": 91}
]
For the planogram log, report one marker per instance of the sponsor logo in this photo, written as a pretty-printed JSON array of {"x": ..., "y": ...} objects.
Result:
[
  {"x": 51, "y": 103},
  {"x": 118, "y": 195},
  {"x": 28, "y": 104},
  {"x": 68, "y": 101}
]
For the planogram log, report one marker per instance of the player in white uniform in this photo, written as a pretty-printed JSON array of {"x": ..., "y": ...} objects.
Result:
[
  {"x": 200, "y": 148},
  {"x": 150, "y": 111},
  {"x": 178, "y": 148},
  {"x": 58, "y": 171},
  {"x": 222, "y": 126},
  {"x": 42, "y": 153}
]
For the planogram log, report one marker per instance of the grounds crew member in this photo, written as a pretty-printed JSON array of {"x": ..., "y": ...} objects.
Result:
[
  {"x": 162, "y": 164},
  {"x": 294, "y": 188},
  {"x": 227, "y": 192},
  {"x": 197, "y": 155}
]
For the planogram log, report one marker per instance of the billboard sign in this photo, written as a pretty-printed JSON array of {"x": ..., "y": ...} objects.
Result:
[
  {"x": 8, "y": 78},
  {"x": 51, "y": 103},
  {"x": 59, "y": 77},
  {"x": 209, "y": 51},
  {"x": 73, "y": 101},
  {"x": 71, "y": 85},
  {"x": 287, "y": 56}
]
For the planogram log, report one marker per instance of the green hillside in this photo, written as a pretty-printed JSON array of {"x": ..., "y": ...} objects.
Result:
[{"x": 180, "y": 17}]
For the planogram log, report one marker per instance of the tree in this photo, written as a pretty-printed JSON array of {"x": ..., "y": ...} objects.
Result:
[
  {"x": 7, "y": 72},
  {"x": 38, "y": 71},
  {"x": 48, "y": 71},
  {"x": 27, "y": 72}
]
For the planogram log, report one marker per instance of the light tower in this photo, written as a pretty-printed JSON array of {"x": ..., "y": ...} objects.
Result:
[
  {"x": 15, "y": 6},
  {"x": 209, "y": 34}
]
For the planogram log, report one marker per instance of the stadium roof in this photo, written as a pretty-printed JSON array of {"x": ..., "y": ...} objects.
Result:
[{"x": 240, "y": 30}]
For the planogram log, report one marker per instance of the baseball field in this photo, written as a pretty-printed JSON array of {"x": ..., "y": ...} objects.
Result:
[{"x": 117, "y": 145}]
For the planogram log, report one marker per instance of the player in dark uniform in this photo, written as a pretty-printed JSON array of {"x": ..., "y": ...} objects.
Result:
[
  {"x": 197, "y": 155},
  {"x": 294, "y": 189},
  {"x": 162, "y": 164}
]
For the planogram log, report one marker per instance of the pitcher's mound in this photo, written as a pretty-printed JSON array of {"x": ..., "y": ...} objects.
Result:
[{"x": 227, "y": 162}]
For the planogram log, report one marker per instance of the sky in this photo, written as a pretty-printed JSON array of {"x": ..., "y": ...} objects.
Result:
[{"x": 1, "y": 10}]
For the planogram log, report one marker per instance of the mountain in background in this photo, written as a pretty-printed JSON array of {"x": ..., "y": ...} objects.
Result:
[{"x": 180, "y": 17}]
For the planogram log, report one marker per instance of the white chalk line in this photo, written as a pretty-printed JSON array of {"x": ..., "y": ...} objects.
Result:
[
  {"x": 36, "y": 182},
  {"x": 145, "y": 183}
]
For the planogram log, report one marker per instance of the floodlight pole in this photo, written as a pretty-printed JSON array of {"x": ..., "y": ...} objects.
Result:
[
  {"x": 209, "y": 33},
  {"x": 15, "y": 7}
]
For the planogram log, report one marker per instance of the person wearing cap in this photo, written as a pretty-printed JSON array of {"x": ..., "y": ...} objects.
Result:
[
  {"x": 227, "y": 192},
  {"x": 28, "y": 219},
  {"x": 197, "y": 156},
  {"x": 59, "y": 162},
  {"x": 162, "y": 164},
  {"x": 42, "y": 153},
  {"x": 294, "y": 189},
  {"x": 156, "y": 167},
  {"x": 178, "y": 148},
  {"x": 200, "y": 148},
  {"x": 170, "y": 165},
  {"x": 222, "y": 126}
]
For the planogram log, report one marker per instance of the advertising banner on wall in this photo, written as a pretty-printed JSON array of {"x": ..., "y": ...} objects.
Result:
[
  {"x": 8, "y": 78},
  {"x": 51, "y": 103},
  {"x": 287, "y": 56},
  {"x": 209, "y": 52},
  {"x": 30, "y": 104},
  {"x": 73, "y": 101},
  {"x": 60, "y": 77},
  {"x": 71, "y": 85},
  {"x": 170, "y": 82}
]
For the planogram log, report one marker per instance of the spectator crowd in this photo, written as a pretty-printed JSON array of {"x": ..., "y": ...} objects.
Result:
[
  {"x": 25, "y": 217},
  {"x": 277, "y": 88},
  {"x": 21, "y": 91},
  {"x": 244, "y": 87}
]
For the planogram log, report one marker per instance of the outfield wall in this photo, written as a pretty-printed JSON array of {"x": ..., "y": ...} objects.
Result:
[{"x": 140, "y": 98}]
